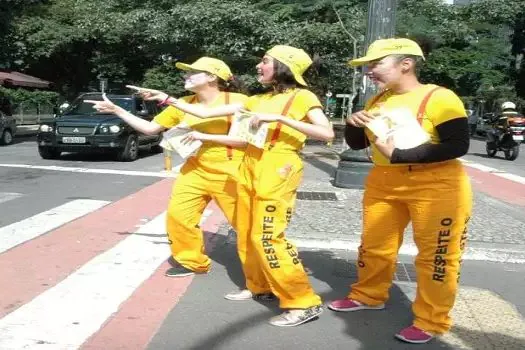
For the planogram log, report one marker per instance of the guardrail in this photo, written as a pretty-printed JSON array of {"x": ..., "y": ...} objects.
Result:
[{"x": 33, "y": 113}]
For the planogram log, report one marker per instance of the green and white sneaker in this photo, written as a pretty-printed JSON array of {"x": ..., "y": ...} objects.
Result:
[{"x": 292, "y": 318}]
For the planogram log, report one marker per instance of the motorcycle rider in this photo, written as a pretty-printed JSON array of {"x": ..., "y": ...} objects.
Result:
[{"x": 499, "y": 124}]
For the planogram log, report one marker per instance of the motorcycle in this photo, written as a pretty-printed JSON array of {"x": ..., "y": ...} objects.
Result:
[{"x": 506, "y": 137}]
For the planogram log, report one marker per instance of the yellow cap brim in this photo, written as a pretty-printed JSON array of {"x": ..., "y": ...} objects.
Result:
[
  {"x": 184, "y": 66},
  {"x": 299, "y": 78},
  {"x": 364, "y": 60}
]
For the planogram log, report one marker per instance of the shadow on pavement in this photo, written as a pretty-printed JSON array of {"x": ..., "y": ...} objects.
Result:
[{"x": 372, "y": 330}]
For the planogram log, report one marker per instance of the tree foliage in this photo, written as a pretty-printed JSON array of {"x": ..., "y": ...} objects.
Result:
[{"x": 477, "y": 50}]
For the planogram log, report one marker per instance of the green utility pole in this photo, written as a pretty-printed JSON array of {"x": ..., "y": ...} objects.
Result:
[{"x": 354, "y": 165}]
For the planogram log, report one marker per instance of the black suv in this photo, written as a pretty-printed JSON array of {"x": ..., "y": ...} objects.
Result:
[{"x": 80, "y": 128}]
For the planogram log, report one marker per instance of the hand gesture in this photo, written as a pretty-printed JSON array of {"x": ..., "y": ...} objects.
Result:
[
  {"x": 104, "y": 106},
  {"x": 149, "y": 94},
  {"x": 360, "y": 119},
  {"x": 193, "y": 136},
  {"x": 257, "y": 119}
]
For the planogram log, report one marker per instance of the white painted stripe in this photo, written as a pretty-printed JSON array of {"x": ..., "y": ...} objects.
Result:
[
  {"x": 471, "y": 253},
  {"x": 7, "y": 196},
  {"x": 65, "y": 316},
  {"x": 22, "y": 231},
  {"x": 497, "y": 172},
  {"x": 163, "y": 174}
]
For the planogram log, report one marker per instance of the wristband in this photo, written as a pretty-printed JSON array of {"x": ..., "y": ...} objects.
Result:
[{"x": 165, "y": 102}]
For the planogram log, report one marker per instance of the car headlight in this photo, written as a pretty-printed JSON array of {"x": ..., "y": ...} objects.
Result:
[
  {"x": 104, "y": 129},
  {"x": 114, "y": 129},
  {"x": 46, "y": 128}
]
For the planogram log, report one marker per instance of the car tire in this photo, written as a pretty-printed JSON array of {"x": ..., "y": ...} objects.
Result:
[
  {"x": 130, "y": 152},
  {"x": 49, "y": 153},
  {"x": 7, "y": 137},
  {"x": 156, "y": 149}
]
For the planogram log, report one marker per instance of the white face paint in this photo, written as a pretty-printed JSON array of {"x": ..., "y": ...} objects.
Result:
[{"x": 194, "y": 80}]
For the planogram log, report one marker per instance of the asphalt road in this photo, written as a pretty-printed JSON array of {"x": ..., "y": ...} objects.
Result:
[{"x": 41, "y": 189}]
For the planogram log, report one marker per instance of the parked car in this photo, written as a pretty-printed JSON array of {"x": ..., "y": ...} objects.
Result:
[
  {"x": 7, "y": 128},
  {"x": 80, "y": 128},
  {"x": 484, "y": 124}
]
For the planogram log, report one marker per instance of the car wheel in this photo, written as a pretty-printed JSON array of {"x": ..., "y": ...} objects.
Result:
[
  {"x": 156, "y": 149},
  {"x": 130, "y": 152},
  {"x": 7, "y": 137},
  {"x": 49, "y": 152}
]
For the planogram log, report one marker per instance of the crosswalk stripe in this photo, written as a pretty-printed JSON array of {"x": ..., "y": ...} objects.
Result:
[
  {"x": 22, "y": 231},
  {"x": 64, "y": 316},
  {"x": 164, "y": 174},
  {"x": 7, "y": 196}
]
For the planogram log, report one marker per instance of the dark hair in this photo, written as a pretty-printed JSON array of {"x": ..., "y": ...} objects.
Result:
[
  {"x": 418, "y": 61},
  {"x": 283, "y": 77},
  {"x": 232, "y": 85}
]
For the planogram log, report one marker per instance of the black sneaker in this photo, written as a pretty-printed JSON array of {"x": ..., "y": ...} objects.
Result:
[{"x": 179, "y": 271}]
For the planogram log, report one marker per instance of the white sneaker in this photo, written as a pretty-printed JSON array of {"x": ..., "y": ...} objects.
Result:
[{"x": 245, "y": 294}]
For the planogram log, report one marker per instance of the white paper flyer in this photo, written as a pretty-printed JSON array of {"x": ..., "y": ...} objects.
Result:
[
  {"x": 241, "y": 128},
  {"x": 402, "y": 125},
  {"x": 172, "y": 141}
]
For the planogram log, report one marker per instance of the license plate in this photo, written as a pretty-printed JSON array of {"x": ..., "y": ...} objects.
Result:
[
  {"x": 517, "y": 137},
  {"x": 74, "y": 139}
]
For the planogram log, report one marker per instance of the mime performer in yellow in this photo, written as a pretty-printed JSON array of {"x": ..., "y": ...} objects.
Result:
[
  {"x": 210, "y": 174},
  {"x": 268, "y": 181}
]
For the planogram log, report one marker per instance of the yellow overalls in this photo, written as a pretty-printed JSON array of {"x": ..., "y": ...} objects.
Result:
[
  {"x": 210, "y": 174},
  {"x": 268, "y": 181},
  {"x": 436, "y": 197}
]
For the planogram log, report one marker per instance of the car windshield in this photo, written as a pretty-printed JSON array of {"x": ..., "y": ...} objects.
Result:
[{"x": 79, "y": 106}]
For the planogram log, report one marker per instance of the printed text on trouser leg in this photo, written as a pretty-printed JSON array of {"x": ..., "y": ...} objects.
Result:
[
  {"x": 440, "y": 261},
  {"x": 268, "y": 232},
  {"x": 462, "y": 243}
]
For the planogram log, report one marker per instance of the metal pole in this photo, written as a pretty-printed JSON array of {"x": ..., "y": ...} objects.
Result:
[
  {"x": 381, "y": 25},
  {"x": 354, "y": 165}
]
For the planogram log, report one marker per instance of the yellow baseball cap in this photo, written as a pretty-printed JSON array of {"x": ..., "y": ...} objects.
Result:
[
  {"x": 297, "y": 60},
  {"x": 209, "y": 65},
  {"x": 386, "y": 47}
]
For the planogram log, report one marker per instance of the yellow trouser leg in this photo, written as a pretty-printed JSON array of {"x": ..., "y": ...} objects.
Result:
[
  {"x": 440, "y": 231},
  {"x": 188, "y": 200},
  {"x": 272, "y": 209},
  {"x": 224, "y": 193},
  {"x": 383, "y": 224},
  {"x": 255, "y": 279}
]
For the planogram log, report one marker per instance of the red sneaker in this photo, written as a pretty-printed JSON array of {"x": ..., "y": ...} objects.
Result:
[
  {"x": 352, "y": 305},
  {"x": 414, "y": 335}
]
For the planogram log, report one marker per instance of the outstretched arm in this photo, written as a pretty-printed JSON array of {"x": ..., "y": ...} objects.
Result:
[
  {"x": 199, "y": 111},
  {"x": 319, "y": 127},
  {"x": 221, "y": 139},
  {"x": 139, "y": 124}
]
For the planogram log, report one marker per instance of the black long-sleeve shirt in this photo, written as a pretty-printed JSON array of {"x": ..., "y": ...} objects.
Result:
[{"x": 454, "y": 143}]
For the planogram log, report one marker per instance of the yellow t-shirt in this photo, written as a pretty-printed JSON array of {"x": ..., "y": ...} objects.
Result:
[
  {"x": 288, "y": 138},
  {"x": 172, "y": 116},
  {"x": 443, "y": 105}
]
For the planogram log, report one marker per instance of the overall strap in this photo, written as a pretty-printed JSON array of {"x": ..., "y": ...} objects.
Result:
[
  {"x": 229, "y": 149},
  {"x": 277, "y": 130},
  {"x": 423, "y": 105}
]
